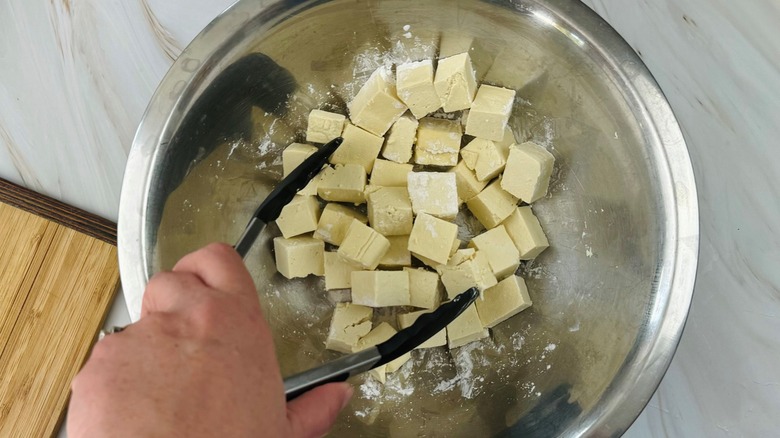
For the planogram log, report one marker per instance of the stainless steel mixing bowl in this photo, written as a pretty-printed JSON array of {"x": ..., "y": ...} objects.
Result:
[{"x": 610, "y": 295}]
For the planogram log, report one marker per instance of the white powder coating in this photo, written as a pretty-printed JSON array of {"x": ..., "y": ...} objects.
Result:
[{"x": 435, "y": 193}]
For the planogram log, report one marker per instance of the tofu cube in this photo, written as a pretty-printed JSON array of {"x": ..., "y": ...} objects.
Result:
[
  {"x": 400, "y": 140},
  {"x": 486, "y": 158},
  {"x": 492, "y": 205},
  {"x": 466, "y": 328},
  {"x": 398, "y": 255},
  {"x": 349, "y": 324},
  {"x": 363, "y": 246},
  {"x": 338, "y": 272},
  {"x": 359, "y": 147},
  {"x": 475, "y": 272},
  {"x": 324, "y": 126},
  {"x": 500, "y": 250},
  {"x": 300, "y": 216},
  {"x": 343, "y": 183},
  {"x": 390, "y": 174},
  {"x": 503, "y": 301},
  {"x": 468, "y": 184},
  {"x": 395, "y": 365},
  {"x": 424, "y": 288},
  {"x": 432, "y": 238},
  {"x": 380, "y": 288},
  {"x": 292, "y": 157},
  {"x": 507, "y": 141},
  {"x": 299, "y": 257},
  {"x": 415, "y": 87},
  {"x": 528, "y": 171},
  {"x": 455, "y": 82},
  {"x": 294, "y": 154},
  {"x": 490, "y": 112},
  {"x": 526, "y": 233},
  {"x": 405, "y": 320},
  {"x": 390, "y": 211},
  {"x": 434, "y": 193},
  {"x": 335, "y": 221},
  {"x": 470, "y": 152},
  {"x": 379, "y": 334},
  {"x": 376, "y": 106},
  {"x": 438, "y": 142},
  {"x": 481, "y": 50},
  {"x": 461, "y": 256}
]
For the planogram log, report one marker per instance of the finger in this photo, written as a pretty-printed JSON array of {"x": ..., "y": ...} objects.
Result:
[
  {"x": 220, "y": 267},
  {"x": 168, "y": 291},
  {"x": 314, "y": 413}
]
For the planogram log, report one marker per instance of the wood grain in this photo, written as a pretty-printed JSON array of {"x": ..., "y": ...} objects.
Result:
[
  {"x": 56, "y": 285},
  {"x": 58, "y": 212}
]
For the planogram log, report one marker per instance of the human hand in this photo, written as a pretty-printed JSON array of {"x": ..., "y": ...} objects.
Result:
[{"x": 199, "y": 362}]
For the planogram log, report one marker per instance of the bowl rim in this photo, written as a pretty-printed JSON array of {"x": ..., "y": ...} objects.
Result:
[{"x": 647, "y": 362}]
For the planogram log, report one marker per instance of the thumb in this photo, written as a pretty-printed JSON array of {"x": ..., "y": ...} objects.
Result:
[{"x": 312, "y": 414}]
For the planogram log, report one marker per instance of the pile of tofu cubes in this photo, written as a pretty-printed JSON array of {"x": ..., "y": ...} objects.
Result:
[{"x": 402, "y": 250}]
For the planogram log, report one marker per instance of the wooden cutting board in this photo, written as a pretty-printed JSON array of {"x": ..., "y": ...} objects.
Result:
[{"x": 58, "y": 277}]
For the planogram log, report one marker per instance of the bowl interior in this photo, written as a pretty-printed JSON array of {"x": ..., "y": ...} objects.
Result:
[{"x": 595, "y": 291}]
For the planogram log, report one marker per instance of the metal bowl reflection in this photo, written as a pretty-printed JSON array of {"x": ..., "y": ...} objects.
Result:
[{"x": 610, "y": 295}]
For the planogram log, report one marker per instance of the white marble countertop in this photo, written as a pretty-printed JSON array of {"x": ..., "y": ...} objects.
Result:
[{"x": 76, "y": 75}]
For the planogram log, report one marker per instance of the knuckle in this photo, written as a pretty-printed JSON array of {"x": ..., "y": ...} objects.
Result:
[{"x": 209, "y": 313}]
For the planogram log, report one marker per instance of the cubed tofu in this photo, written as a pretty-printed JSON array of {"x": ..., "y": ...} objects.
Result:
[
  {"x": 292, "y": 157},
  {"x": 528, "y": 171},
  {"x": 299, "y": 257},
  {"x": 343, "y": 183},
  {"x": 507, "y": 141},
  {"x": 492, "y": 205},
  {"x": 400, "y": 139},
  {"x": 294, "y": 154},
  {"x": 475, "y": 272},
  {"x": 424, "y": 288},
  {"x": 395, "y": 365},
  {"x": 415, "y": 87},
  {"x": 338, "y": 272},
  {"x": 503, "y": 301},
  {"x": 324, "y": 126},
  {"x": 490, "y": 112},
  {"x": 379, "y": 334},
  {"x": 485, "y": 158},
  {"x": 438, "y": 142},
  {"x": 526, "y": 232},
  {"x": 380, "y": 288},
  {"x": 481, "y": 50},
  {"x": 500, "y": 250},
  {"x": 432, "y": 238},
  {"x": 398, "y": 256},
  {"x": 363, "y": 246},
  {"x": 468, "y": 184},
  {"x": 390, "y": 174},
  {"x": 490, "y": 163},
  {"x": 349, "y": 324},
  {"x": 405, "y": 320},
  {"x": 376, "y": 106},
  {"x": 335, "y": 221},
  {"x": 470, "y": 152},
  {"x": 359, "y": 147},
  {"x": 461, "y": 256},
  {"x": 455, "y": 82},
  {"x": 466, "y": 328},
  {"x": 434, "y": 193},
  {"x": 390, "y": 211},
  {"x": 298, "y": 217}
]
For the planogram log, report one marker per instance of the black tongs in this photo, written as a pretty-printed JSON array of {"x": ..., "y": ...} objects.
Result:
[
  {"x": 283, "y": 193},
  {"x": 345, "y": 367}
]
